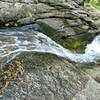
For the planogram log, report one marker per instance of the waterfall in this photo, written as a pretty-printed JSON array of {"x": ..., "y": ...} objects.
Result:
[{"x": 13, "y": 42}]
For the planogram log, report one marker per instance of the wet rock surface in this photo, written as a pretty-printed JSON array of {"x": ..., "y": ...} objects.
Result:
[
  {"x": 48, "y": 77},
  {"x": 73, "y": 29}
]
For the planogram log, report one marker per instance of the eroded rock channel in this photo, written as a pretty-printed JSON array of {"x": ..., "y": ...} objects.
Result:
[{"x": 49, "y": 50}]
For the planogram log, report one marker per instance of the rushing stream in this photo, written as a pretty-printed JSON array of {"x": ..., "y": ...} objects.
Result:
[{"x": 16, "y": 40}]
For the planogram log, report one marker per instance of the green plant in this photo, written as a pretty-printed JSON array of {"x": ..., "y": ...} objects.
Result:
[
  {"x": 95, "y": 3},
  {"x": 15, "y": 24},
  {"x": 29, "y": 14}
]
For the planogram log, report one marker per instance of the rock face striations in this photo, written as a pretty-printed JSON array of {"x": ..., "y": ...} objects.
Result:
[{"x": 39, "y": 76}]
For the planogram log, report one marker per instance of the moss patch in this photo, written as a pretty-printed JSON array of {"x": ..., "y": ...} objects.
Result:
[
  {"x": 15, "y": 24},
  {"x": 72, "y": 44}
]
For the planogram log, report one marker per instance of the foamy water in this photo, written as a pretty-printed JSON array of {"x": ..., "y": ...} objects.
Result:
[{"x": 13, "y": 42}]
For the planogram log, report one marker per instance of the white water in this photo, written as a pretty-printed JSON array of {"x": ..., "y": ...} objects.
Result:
[{"x": 13, "y": 43}]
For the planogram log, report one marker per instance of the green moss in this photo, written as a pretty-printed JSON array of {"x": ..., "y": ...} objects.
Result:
[
  {"x": 33, "y": 14},
  {"x": 76, "y": 44},
  {"x": 79, "y": 44},
  {"x": 29, "y": 14},
  {"x": 15, "y": 24},
  {"x": 71, "y": 44},
  {"x": 73, "y": 50}
]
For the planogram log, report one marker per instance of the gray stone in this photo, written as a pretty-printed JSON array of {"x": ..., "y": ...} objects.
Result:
[{"x": 49, "y": 77}]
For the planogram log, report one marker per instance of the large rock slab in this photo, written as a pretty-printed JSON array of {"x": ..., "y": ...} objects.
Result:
[{"x": 48, "y": 77}]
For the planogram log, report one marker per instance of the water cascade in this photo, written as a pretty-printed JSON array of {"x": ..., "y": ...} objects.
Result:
[{"x": 13, "y": 42}]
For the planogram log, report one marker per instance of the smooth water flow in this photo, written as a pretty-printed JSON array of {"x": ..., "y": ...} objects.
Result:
[{"x": 13, "y": 42}]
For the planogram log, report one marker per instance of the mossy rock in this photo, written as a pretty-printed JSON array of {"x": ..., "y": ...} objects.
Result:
[{"x": 75, "y": 45}]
